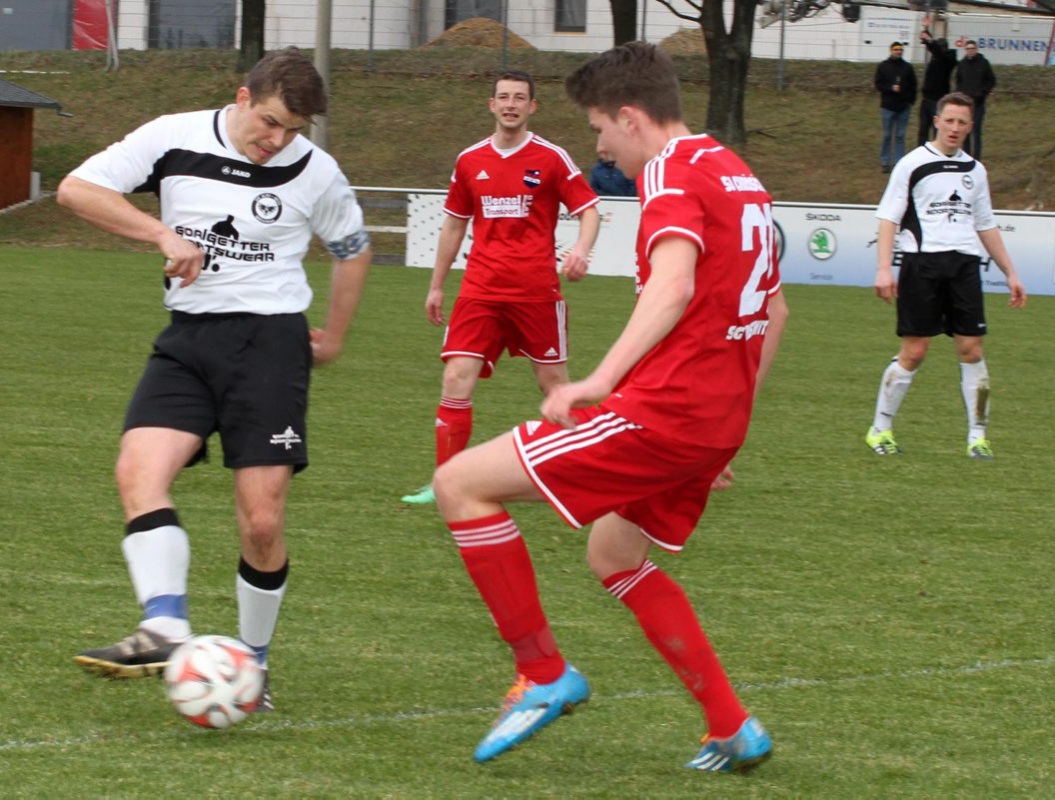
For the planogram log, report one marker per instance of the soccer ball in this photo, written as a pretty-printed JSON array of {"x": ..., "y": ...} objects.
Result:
[{"x": 214, "y": 681}]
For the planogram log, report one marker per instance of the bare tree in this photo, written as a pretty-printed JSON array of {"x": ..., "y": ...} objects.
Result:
[
  {"x": 624, "y": 20},
  {"x": 729, "y": 57},
  {"x": 252, "y": 49}
]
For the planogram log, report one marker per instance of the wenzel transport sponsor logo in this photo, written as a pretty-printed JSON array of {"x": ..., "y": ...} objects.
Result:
[{"x": 516, "y": 206}]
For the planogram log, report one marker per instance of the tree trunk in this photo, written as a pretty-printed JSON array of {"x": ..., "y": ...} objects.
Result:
[
  {"x": 729, "y": 57},
  {"x": 624, "y": 20},
  {"x": 252, "y": 49}
]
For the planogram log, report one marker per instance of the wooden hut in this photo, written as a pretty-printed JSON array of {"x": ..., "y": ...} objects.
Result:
[{"x": 16, "y": 140}]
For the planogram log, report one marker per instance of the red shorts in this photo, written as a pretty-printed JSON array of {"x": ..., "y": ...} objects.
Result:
[
  {"x": 608, "y": 463},
  {"x": 478, "y": 329}
]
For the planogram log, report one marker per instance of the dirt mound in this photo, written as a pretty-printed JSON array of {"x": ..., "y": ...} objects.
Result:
[
  {"x": 686, "y": 42},
  {"x": 479, "y": 32}
]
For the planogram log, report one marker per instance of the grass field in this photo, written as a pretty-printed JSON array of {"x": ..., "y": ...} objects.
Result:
[{"x": 889, "y": 620}]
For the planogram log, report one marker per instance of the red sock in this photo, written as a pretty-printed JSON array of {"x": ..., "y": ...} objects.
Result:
[
  {"x": 454, "y": 426},
  {"x": 667, "y": 618},
  {"x": 498, "y": 562}
]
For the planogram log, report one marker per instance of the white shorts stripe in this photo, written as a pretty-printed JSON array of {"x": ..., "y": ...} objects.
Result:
[
  {"x": 562, "y": 328},
  {"x": 607, "y": 418},
  {"x": 593, "y": 432},
  {"x": 553, "y": 499}
]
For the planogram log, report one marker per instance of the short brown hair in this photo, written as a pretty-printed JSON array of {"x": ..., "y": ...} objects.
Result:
[
  {"x": 635, "y": 74},
  {"x": 956, "y": 99},
  {"x": 514, "y": 75},
  {"x": 291, "y": 76}
]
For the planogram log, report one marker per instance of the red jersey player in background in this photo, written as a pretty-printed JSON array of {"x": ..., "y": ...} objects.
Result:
[
  {"x": 634, "y": 447},
  {"x": 511, "y": 185}
]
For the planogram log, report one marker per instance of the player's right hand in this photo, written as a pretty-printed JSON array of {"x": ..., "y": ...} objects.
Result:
[
  {"x": 558, "y": 403},
  {"x": 434, "y": 307}
]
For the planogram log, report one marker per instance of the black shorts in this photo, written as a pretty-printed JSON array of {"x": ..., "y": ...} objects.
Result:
[
  {"x": 940, "y": 293},
  {"x": 243, "y": 375}
]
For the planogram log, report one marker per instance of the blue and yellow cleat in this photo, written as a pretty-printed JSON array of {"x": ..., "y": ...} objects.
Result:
[
  {"x": 747, "y": 748},
  {"x": 529, "y": 707}
]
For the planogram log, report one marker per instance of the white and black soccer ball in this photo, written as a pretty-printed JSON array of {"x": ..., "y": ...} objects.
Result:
[{"x": 214, "y": 681}]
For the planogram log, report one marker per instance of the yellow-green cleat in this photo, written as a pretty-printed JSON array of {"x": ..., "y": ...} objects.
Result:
[
  {"x": 980, "y": 449},
  {"x": 882, "y": 442}
]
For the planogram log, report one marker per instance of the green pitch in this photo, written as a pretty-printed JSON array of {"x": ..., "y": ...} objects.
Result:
[{"x": 889, "y": 620}]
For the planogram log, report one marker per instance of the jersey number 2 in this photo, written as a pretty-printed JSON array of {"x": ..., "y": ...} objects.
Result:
[{"x": 756, "y": 218}]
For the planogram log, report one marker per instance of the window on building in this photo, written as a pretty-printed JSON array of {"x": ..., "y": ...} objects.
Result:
[
  {"x": 571, "y": 16},
  {"x": 456, "y": 11}
]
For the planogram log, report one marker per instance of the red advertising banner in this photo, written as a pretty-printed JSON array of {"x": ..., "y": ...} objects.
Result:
[{"x": 90, "y": 29}]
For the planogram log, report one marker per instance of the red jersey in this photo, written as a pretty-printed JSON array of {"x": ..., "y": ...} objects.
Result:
[
  {"x": 697, "y": 384},
  {"x": 514, "y": 201}
]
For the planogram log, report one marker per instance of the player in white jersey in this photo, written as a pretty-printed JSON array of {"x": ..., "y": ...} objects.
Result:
[
  {"x": 241, "y": 193},
  {"x": 939, "y": 197}
]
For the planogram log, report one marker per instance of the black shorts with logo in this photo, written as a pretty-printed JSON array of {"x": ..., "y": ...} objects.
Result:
[
  {"x": 940, "y": 293},
  {"x": 245, "y": 376}
]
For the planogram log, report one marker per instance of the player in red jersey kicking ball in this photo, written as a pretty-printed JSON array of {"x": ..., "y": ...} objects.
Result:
[{"x": 634, "y": 447}]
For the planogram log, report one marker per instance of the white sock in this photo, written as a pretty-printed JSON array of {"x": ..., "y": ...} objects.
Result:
[
  {"x": 258, "y": 615},
  {"x": 974, "y": 383},
  {"x": 158, "y": 560},
  {"x": 892, "y": 390}
]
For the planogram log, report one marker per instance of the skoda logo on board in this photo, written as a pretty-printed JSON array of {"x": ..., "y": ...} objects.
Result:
[{"x": 822, "y": 244}]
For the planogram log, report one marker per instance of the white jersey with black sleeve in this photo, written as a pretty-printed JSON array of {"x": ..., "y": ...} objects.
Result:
[
  {"x": 938, "y": 201},
  {"x": 253, "y": 221}
]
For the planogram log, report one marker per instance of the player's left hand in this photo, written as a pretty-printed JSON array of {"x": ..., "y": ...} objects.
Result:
[
  {"x": 323, "y": 348},
  {"x": 723, "y": 480},
  {"x": 885, "y": 285},
  {"x": 574, "y": 266},
  {"x": 183, "y": 258}
]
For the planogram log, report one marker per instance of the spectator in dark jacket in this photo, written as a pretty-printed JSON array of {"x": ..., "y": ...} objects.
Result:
[
  {"x": 976, "y": 79},
  {"x": 895, "y": 80},
  {"x": 608, "y": 181},
  {"x": 936, "y": 79}
]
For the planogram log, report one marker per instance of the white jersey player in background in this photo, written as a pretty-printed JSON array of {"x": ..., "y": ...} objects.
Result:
[
  {"x": 939, "y": 196},
  {"x": 241, "y": 193}
]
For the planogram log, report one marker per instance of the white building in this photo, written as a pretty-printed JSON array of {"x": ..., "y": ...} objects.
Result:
[{"x": 579, "y": 26}]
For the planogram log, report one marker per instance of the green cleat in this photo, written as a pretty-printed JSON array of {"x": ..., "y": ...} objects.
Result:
[
  {"x": 882, "y": 442},
  {"x": 422, "y": 497},
  {"x": 980, "y": 449}
]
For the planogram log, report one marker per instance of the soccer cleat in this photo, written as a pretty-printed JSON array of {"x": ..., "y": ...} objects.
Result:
[
  {"x": 744, "y": 750},
  {"x": 529, "y": 707},
  {"x": 267, "y": 702},
  {"x": 422, "y": 497},
  {"x": 141, "y": 655},
  {"x": 882, "y": 442},
  {"x": 980, "y": 449}
]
